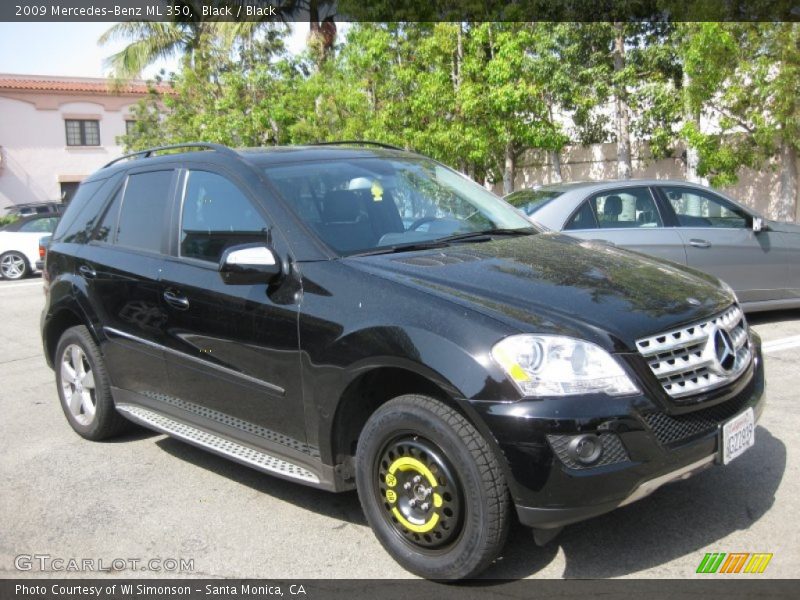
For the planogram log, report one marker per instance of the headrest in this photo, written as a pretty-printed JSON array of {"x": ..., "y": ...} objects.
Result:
[
  {"x": 644, "y": 204},
  {"x": 612, "y": 206},
  {"x": 341, "y": 206}
]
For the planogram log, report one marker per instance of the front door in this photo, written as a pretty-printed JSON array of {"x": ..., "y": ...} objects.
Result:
[
  {"x": 232, "y": 350},
  {"x": 719, "y": 239}
]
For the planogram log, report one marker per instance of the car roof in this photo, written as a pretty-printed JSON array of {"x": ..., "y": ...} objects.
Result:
[
  {"x": 261, "y": 157},
  {"x": 603, "y": 184}
]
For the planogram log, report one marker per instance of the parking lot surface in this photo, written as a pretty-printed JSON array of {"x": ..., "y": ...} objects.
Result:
[{"x": 147, "y": 497}]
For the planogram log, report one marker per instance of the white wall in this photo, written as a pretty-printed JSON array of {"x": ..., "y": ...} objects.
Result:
[{"x": 35, "y": 152}]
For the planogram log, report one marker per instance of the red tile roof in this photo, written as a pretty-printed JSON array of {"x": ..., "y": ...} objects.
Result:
[{"x": 85, "y": 85}]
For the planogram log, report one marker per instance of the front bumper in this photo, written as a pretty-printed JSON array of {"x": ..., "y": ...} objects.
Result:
[{"x": 647, "y": 445}]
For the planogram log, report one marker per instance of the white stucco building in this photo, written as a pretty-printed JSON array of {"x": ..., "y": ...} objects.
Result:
[{"x": 55, "y": 131}]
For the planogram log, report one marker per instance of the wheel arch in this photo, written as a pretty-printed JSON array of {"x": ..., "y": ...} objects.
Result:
[
  {"x": 57, "y": 323},
  {"x": 375, "y": 386}
]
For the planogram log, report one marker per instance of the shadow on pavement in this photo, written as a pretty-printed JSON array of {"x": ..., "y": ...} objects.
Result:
[
  {"x": 344, "y": 506},
  {"x": 676, "y": 521},
  {"x": 773, "y": 316}
]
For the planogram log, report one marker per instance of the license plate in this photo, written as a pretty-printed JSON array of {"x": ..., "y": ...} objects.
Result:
[{"x": 738, "y": 435}]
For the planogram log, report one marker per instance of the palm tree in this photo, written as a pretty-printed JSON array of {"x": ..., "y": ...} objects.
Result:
[{"x": 151, "y": 41}]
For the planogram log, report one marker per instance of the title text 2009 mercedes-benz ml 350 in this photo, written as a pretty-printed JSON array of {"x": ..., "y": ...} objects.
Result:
[{"x": 356, "y": 316}]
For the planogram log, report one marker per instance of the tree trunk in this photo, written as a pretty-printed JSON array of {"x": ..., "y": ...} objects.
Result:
[
  {"x": 624, "y": 167},
  {"x": 786, "y": 206},
  {"x": 692, "y": 116},
  {"x": 555, "y": 160},
  {"x": 509, "y": 170}
]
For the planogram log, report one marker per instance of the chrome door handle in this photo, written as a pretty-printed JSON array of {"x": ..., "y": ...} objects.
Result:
[
  {"x": 87, "y": 271},
  {"x": 699, "y": 243},
  {"x": 175, "y": 300}
]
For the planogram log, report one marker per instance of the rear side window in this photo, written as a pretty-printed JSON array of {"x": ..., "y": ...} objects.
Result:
[
  {"x": 216, "y": 214},
  {"x": 628, "y": 208},
  {"x": 144, "y": 206},
  {"x": 79, "y": 218}
]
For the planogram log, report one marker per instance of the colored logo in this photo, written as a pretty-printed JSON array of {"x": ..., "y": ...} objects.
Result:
[{"x": 734, "y": 562}]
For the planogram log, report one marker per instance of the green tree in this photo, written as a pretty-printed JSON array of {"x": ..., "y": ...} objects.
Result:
[{"x": 743, "y": 78}]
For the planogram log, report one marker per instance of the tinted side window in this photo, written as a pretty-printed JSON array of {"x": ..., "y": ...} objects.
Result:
[
  {"x": 144, "y": 206},
  {"x": 40, "y": 225},
  {"x": 697, "y": 208},
  {"x": 583, "y": 219},
  {"x": 107, "y": 229},
  {"x": 79, "y": 216},
  {"x": 216, "y": 214}
]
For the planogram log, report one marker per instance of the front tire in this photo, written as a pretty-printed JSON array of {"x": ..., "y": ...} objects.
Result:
[
  {"x": 84, "y": 388},
  {"x": 14, "y": 265},
  {"x": 431, "y": 488}
]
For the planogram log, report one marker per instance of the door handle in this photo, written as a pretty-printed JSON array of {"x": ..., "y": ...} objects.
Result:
[
  {"x": 87, "y": 271},
  {"x": 699, "y": 243},
  {"x": 176, "y": 300}
]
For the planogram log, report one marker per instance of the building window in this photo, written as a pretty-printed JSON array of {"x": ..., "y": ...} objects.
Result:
[
  {"x": 83, "y": 132},
  {"x": 130, "y": 127}
]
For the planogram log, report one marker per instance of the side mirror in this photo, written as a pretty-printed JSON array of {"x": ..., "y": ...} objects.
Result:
[
  {"x": 758, "y": 224},
  {"x": 249, "y": 264}
]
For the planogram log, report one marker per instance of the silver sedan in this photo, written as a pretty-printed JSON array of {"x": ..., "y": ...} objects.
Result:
[{"x": 682, "y": 222}]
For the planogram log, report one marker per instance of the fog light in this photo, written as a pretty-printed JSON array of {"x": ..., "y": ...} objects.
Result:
[{"x": 585, "y": 449}]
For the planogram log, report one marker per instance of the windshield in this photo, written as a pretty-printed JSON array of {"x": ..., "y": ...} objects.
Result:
[
  {"x": 363, "y": 204},
  {"x": 529, "y": 201}
]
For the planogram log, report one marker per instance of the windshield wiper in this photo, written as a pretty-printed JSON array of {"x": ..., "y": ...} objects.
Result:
[
  {"x": 487, "y": 233},
  {"x": 410, "y": 247},
  {"x": 443, "y": 242}
]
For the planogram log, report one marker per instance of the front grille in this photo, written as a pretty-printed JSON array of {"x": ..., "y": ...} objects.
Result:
[
  {"x": 686, "y": 360},
  {"x": 613, "y": 450},
  {"x": 673, "y": 429}
]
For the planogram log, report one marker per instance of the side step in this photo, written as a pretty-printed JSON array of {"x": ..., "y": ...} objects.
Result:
[{"x": 219, "y": 445}]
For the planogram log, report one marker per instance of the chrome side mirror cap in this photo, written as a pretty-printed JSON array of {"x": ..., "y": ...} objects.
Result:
[
  {"x": 249, "y": 264},
  {"x": 758, "y": 224}
]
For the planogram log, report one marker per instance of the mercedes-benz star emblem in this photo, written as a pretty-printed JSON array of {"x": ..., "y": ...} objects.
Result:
[{"x": 723, "y": 349}]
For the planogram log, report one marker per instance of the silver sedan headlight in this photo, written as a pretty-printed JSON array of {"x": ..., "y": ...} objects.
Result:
[{"x": 554, "y": 365}]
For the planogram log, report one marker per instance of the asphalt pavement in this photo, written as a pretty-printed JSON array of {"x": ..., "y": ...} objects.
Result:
[{"x": 146, "y": 497}]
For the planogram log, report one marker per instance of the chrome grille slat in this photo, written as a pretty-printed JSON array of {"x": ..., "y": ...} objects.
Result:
[{"x": 680, "y": 360}]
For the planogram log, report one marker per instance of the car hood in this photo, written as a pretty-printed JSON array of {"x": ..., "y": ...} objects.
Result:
[{"x": 551, "y": 283}]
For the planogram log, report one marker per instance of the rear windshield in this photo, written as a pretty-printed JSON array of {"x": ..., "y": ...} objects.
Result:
[
  {"x": 361, "y": 204},
  {"x": 529, "y": 201}
]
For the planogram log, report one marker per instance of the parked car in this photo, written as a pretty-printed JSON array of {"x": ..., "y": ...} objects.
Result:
[
  {"x": 44, "y": 242},
  {"x": 415, "y": 338},
  {"x": 35, "y": 208},
  {"x": 683, "y": 222},
  {"x": 19, "y": 245}
]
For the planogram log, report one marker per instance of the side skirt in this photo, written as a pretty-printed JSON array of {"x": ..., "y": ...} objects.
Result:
[{"x": 258, "y": 459}]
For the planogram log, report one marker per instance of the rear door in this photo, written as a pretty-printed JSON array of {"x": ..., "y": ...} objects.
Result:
[
  {"x": 232, "y": 350},
  {"x": 719, "y": 239},
  {"x": 120, "y": 269},
  {"x": 628, "y": 217}
]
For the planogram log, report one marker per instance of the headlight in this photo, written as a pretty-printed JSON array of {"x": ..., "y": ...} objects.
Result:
[{"x": 554, "y": 365}]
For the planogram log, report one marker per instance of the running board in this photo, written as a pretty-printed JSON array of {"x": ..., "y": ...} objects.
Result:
[{"x": 240, "y": 453}]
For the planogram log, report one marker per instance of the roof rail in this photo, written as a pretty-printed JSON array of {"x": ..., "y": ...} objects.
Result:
[
  {"x": 357, "y": 142},
  {"x": 149, "y": 152}
]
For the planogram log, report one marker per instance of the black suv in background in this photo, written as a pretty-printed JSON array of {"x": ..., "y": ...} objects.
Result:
[{"x": 364, "y": 317}]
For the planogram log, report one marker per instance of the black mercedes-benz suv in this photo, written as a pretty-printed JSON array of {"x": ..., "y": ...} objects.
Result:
[{"x": 356, "y": 316}]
